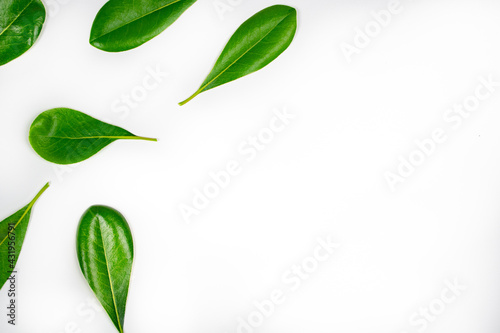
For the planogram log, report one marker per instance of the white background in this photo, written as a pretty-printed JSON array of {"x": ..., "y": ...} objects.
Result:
[{"x": 322, "y": 176}]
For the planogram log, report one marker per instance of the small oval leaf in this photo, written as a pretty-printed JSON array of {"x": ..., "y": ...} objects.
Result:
[
  {"x": 255, "y": 44},
  {"x": 105, "y": 252},
  {"x": 12, "y": 233},
  {"x": 20, "y": 24},
  {"x": 122, "y": 25},
  {"x": 66, "y": 136}
]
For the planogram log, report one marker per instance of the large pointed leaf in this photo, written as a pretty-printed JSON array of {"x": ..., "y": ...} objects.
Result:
[
  {"x": 122, "y": 25},
  {"x": 255, "y": 44},
  {"x": 20, "y": 24},
  {"x": 106, "y": 251},
  {"x": 66, "y": 136},
  {"x": 12, "y": 232}
]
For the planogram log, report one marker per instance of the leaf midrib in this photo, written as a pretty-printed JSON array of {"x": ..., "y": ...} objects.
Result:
[
  {"x": 11, "y": 23},
  {"x": 17, "y": 224},
  {"x": 85, "y": 137},
  {"x": 109, "y": 277},
  {"x": 234, "y": 62},
  {"x": 136, "y": 19}
]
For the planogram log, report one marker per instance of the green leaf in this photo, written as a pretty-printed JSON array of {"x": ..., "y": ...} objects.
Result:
[
  {"x": 255, "y": 44},
  {"x": 122, "y": 25},
  {"x": 66, "y": 136},
  {"x": 105, "y": 251},
  {"x": 12, "y": 233},
  {"x": 20, "y": 24}
]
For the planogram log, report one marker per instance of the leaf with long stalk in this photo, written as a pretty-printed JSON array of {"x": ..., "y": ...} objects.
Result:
[
  {"x": 66, "y": 136},
  {"x": 256, "y": 43},
  {"x": 12, "y": 234}
]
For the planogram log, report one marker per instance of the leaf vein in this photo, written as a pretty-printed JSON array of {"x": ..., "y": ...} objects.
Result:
[{"x": 15, "y": 19}]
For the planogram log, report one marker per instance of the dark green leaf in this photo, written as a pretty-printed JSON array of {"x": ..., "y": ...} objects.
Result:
[
  {"x": 20, "y": 24},
  {"x": 255, "y": 44},
  {"x": 122, "y": 25},
  {"x": 105, "y": 251},
  {"x": 66, "y": 136},
  {"x": 12, "y": 232}
]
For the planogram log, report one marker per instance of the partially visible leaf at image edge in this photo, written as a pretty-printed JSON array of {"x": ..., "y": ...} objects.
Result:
[
  {"x": 12, "y": 234},
  {"x": 66, "y": 136},
  {"x": 20, "y": 24},
  {"x": 255, "y": 44},
  {"x": 122, "y": 25},
  {"x": 105, "y": 252}
]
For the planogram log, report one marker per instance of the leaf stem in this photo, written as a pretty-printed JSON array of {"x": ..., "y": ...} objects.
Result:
[
  {"x": 146, "y": 139},
  {"x": 39, "y": 194},
  {"x": 191, "y": 97},
  {"x": 134, "y": 138}
]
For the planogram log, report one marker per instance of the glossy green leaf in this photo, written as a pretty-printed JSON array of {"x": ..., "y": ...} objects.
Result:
[
  {"x": 20, "y": 24},
  {"x": 122, "y": 25},
  {"x": 66, "y": 136},
  {"x": 12, "y": 233},
  {"x": 255, "y": 44},
  {"x": 105, "y": 252}
]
